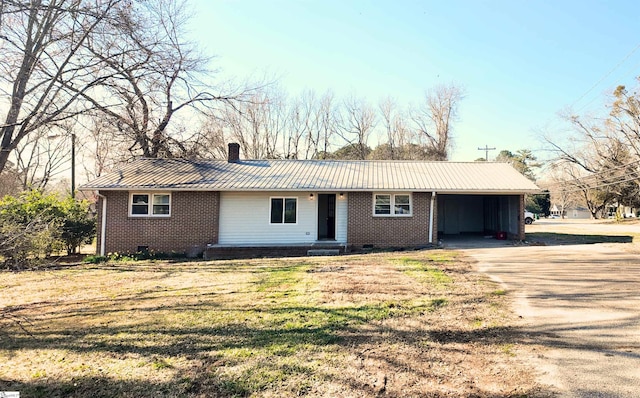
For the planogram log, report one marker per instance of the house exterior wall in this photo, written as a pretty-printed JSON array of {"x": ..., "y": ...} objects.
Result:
[
  {"x": 461, "y": 214},
  {"x": 242, "y": 218},
  {"x": 342, "y": 217},
  {"x": 366, "y": 229},
  {"x": 193, "y": 223},
  {"x": 245, "y": 219},
  {"x": 576, "y": 213}
]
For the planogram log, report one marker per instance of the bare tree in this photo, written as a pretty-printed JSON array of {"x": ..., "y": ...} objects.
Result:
[
  {"x": 10, "y": 181},
  {"x": 625, "y": 118},
  {"x": 43, "y": 55},
  {"x": 325, "y": 128},
  {"x": 43, "y": 155},
  {"x": 601, "y": 162},
  {"x": 258, "y": 124},
  {"x": 401, "y": 142},
  {"x": 150, "y": 74},
  {"x": 563, "y": 193},
  {"x": 357, "y": 123},
  {"x": 100, "y": 148},
  {"x": 312, "y": 126},
  {"x": 212, "y": 142},
  {"x": 433, "y": 120},
  {"x": 302, "y": 119},
  {"x": 387, "y": 110},
  {"x": 596, "y": 143}
]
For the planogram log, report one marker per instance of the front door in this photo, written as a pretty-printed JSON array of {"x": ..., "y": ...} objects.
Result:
[{"x": 327, "y": 216}]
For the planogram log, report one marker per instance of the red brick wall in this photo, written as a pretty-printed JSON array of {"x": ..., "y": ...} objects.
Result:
[
  {"x": 365, "y": 229},
  {"x": 193, "y": 222}
]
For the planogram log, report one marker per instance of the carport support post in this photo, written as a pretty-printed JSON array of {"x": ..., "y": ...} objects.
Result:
[
  {"x": 521, "y": 234},
  {"x": 103, "y": 224},
  {"x": 431, "y": 218}
]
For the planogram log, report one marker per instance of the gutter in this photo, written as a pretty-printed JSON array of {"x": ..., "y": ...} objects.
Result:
[
  {"x": 315, "y": 189},
  {"x": 431, "y": 218},
  {"x": 103, "y": 224}
]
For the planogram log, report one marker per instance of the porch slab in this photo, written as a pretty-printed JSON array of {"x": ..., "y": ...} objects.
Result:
[
  {"x": 227, "y": 252},
  {"x": 323, "y": 252}
]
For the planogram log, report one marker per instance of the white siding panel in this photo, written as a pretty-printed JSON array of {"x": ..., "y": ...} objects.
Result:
[
  {"x": 244, "y": 219},
  {"x": 341, "y": 218}
]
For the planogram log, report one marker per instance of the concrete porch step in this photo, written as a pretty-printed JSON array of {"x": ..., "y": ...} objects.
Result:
[{"x": 323, "y": 252}]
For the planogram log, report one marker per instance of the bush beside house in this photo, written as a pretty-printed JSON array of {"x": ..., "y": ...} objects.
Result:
[{"x": 34, "y": 225}]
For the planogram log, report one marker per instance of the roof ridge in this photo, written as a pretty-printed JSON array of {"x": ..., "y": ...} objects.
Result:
[{"x": 329, "y": 160}]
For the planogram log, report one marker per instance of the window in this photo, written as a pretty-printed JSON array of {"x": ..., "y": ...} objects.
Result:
[
  {"x": 392, "y": 205},
  {"x": 402, "y": 204},
  {"x": 151, "y": 205},
  {"x": 284, "y": 210},
  {"x": 383, "y": 204},
  {"x": 161, "y": 205},
  {"x": 139, "y": 205}
]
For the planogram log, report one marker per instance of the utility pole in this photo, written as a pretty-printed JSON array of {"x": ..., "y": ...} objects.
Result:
[
  {"x": 73, "y": 165},
  {"x": 486, "y": 150}
]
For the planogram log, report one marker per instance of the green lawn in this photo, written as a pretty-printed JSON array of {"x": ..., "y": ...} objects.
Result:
[{"x": 400, "y": 324}]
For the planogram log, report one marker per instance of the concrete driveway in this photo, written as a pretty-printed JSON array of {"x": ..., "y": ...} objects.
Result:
[{"x": 581, "y": 302}]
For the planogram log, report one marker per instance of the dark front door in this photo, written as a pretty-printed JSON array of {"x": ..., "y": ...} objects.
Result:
[{"x": 326, "y": 216}]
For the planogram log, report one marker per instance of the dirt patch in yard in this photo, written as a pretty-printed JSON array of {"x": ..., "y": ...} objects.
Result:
[{"x": 399, "y": 324}]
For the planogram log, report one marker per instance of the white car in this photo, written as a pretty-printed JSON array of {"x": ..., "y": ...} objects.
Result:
[{"x": 528, "y": 217}]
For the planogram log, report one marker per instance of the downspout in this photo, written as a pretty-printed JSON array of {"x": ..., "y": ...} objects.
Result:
[
  {"x": 431, "y": 218},
  {"x": 103, "y": 224}
]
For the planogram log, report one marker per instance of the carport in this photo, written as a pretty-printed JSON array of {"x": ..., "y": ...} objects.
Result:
[{"x": 480, "y": 214}]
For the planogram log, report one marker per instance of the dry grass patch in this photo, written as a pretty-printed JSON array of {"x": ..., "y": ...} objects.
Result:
[{"x": 400, "y": 324}]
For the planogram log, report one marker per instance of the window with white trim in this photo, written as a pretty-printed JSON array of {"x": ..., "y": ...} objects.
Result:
[
  {"x": 395, "y": 205},
  {"x": 150, "y": 205},
  {"x": 284, "y": 210}
]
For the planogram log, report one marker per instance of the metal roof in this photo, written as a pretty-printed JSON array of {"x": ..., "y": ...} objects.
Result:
[{"x": 314, "y": 175}]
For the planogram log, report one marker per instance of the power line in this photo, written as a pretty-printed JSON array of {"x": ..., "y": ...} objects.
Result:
[
  {"x": 606, "y": 75},
  {"x": 582, "y": 183},
  {"x": 583, "y": 188}
]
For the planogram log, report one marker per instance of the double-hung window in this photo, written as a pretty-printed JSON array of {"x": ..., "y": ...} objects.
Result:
[
  {"x": 150, "y": 205},
  {"x": 395, "y": 205},
  {"x": 284, "y": 210}
]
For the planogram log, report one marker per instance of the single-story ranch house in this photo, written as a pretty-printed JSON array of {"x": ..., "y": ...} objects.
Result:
[{"x": 219, "y": 206}]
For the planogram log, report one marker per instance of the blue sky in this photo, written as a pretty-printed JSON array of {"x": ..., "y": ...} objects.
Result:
[{"x": 520, "y": 62}]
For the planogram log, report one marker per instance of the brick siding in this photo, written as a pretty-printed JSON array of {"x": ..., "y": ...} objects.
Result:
[
  {"x": 365, "y": 229},
  {"x": 193, "y": 223}
]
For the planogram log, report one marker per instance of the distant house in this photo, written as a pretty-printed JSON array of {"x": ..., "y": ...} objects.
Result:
[
  {"x": 293, "y": 205},
  {"x": 619, "y": 210},
  {"x": 580, "y": 212},
  {"x": 571, "y": 212}
]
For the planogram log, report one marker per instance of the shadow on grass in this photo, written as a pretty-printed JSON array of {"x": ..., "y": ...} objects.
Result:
[
  {"x": 107, "y": 387},
  {"x": 198, "y": 382},
  {"x": 554, "y": 238},
  {"x": 208, "y": 377},
  {"x": 199, "y": 346},
  {"x": 264, "y": 354}
]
